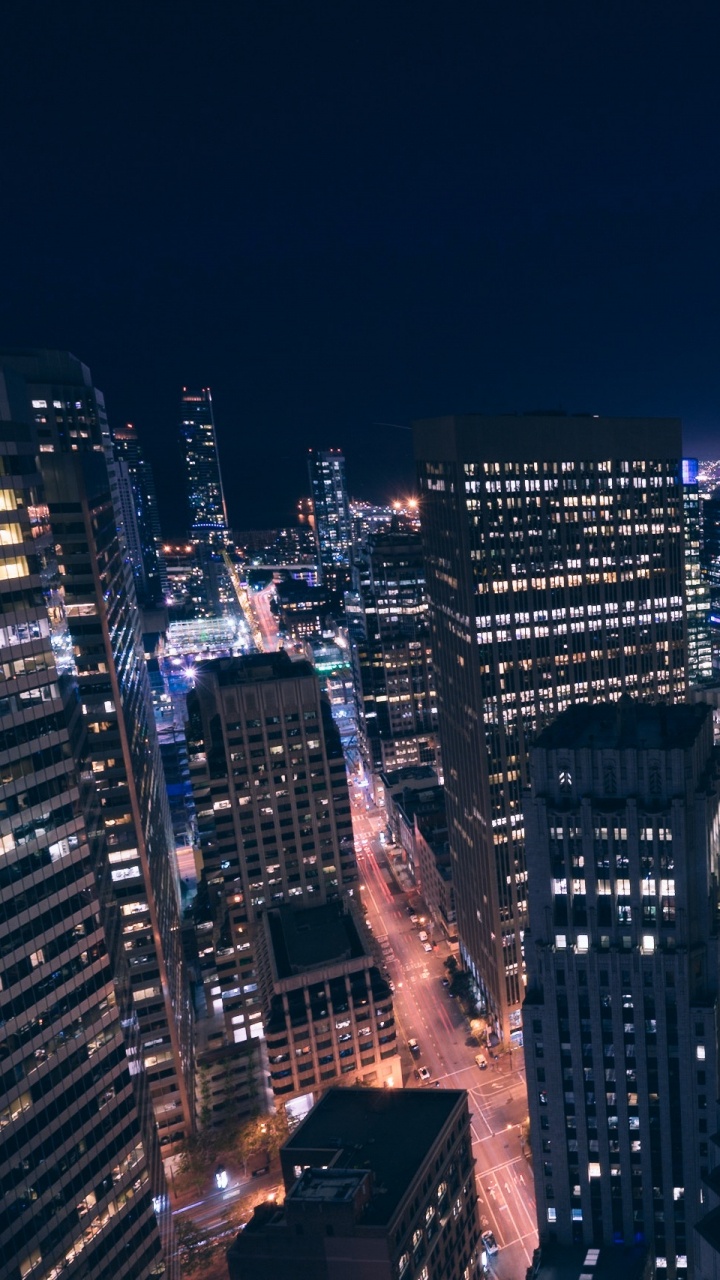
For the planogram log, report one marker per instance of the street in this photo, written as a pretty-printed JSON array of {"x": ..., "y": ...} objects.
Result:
[{"x": 426, "y": 1013}]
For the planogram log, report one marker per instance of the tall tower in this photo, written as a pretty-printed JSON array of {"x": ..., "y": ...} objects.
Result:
[
  {"x": 554, "y": 553},
  {"x": 621, "y": 1006},
  {"x": 146, "y": 550},
  {"x": 333, "y": 524},
  {"x": 206, "y": 500},
  {"x": 697, "y": 589},
  {"x": 389, "y": 626},
  {"x": 79, "y": 1160},
  {"x": 116, "y": 736},
  {"x": 272, "y": 804}
]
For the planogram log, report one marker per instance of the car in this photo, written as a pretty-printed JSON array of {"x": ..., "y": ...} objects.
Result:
[
  {"x": 444, "y": 982},
  {"x": 481, "y": 1061},
  {"x": 423, "y": 1073},
  {"x": 422, "y": 935},
  {"x": 414, "y": 1048},
  {"x": 391, "y": 985},
  {"x": 490, "y": 1243},
  {"x": 426, "y": 946},
  {"x": 413, "y": 918}
]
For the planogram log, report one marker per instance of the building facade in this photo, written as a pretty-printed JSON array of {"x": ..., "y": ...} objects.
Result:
[
  {"x": 80, "y": 1166},
  {"x": 143, "y": 519},
  {"x": 389, "y": 629},
  {"x": 272, "y": 806},
  {"x": 555, "y": 570},
  {"x": 116, "y": 736},
  {"x": 697, "y": 587},
  {"x": 623, "y": 830},
  {"x": 332, "y": 521},
  {"x": 207, "y": 513},
  {"x": 378, "y": 1182},
  {"x": 328, "y": 1010}
]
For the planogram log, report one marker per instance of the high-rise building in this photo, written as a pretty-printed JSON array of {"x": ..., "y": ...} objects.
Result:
[
  {"x": 378, "y": 1182},
  {"x": 697, "y": 590},
  {"x": 332, "y": 520},
  {"x": 328, "y": 1010},
  {"x": 623, "y": 832},
  {"x": 208, "y": 522},
  {"x": 83, "y": 1191},
  {"x": 273, "y": 809},
  {"x": 389, "y": 629},
  {"x": 554, "y": 551},
  {"x": 143, "y": 532},
  {"x": 116, "y": 737}
]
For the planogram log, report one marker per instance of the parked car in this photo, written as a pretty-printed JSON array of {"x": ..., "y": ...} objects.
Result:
[
  {"x": 422, "y": 935},
  {"x": 444, "y": 982},
  {"x": 426, "y": 946},
  {"x": 414, "y": 1048},
  {"x": 490, "y": 1243},
  {"x": 413, "y": 918},
  {"x": 423, "y": 1073},
  {"x": 481, "y": 1061}
]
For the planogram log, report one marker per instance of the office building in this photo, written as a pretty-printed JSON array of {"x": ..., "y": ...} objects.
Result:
[
  {"x": 82, "y": 1183},
  {"x": 554, "y": 552},
  {"x": 332, "y": 521},
  {"x": 116, "y": 739},
  {"x": 141, "y": 518},
  {"x": 272, "y": 806},
  {"x": 207, "y": 514},
  {"x": 304, "y": 611},
  {"x": 389, "y": 629},
  {"x": 378, "y": 1182},
  {"x": 328, "y": 1010},
  {"x": 620, "y": 1016}
]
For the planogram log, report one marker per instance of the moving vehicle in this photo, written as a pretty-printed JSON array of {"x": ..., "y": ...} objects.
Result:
[
  {"x": 490, "y": 1243},
  {"x": 426, "y": 946},
  {"x": 414, "y": 1048}
]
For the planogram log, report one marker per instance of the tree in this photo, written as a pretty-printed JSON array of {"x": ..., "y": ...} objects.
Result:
[{"x": 195, "y": 1251}]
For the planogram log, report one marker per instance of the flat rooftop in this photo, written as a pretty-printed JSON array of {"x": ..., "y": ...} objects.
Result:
[
  {"x": 312, "y": 937},
  {"x": 255, "y": 668},
  {"x": 625, "y": 725},
  {"x": 545, "y": 437},
  {"x": 389, "y": 1131}
]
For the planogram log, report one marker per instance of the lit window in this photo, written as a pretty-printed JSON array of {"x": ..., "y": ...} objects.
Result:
[
  {"x": 583, "y": 942},
  {"x": 700, "y": 1052}
]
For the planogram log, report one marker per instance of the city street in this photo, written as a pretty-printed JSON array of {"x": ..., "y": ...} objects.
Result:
[
  {"x": 428, "y": 1014},
  {"x": 267, "y": 622}
]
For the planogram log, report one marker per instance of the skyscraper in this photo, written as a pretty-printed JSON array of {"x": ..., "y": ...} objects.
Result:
[
  {"x": 116, "y": 734},
  {"x": 146, "y": 548},
  {"x": 208, "y": 522},
  {"x": 79, "y": 1161},
  {"x": 623, "y": 831},
  {"x": 272, "y": 805},
  {"x": 554, "y": 554},
  {"x": 389, "y": 628},
  {"x": 697, "y": 590},
  {"x": 333, "y": 524}
]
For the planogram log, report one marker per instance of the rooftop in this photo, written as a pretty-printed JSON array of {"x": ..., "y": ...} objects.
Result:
[
  {"x": 546, "y": 437},
  {"x": 389, "y": 1131},
  {"x": 255, "y": 668},
  {"x": 625, "y": 725},
  {"x": 328, "y": 1185},
  {"x": 312, "y": 937}
]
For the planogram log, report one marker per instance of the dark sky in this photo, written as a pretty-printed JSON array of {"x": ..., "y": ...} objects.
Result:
[{"x": 338, "y": 214}]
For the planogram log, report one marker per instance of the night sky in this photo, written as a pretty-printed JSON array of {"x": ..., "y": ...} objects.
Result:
[{"x": 342, "y": 214}]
